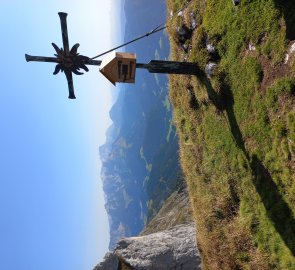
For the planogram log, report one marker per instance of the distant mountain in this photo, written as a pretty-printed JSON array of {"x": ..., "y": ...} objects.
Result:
[
  {"x": 140, "y": 166},
  {"x": 167, "y": 242}
]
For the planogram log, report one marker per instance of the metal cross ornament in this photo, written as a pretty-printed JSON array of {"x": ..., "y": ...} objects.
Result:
[{"x": 68, "y": 60}]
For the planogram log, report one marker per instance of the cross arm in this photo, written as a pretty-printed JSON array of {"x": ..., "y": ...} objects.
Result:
[
  {"x": 70, "y": 84},
  {"x": 30, "y": 58},
  {"x": 86, "y": 61}
]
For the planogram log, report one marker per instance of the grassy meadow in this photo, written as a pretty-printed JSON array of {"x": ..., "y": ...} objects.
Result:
[{"x": 237, "y": 129}]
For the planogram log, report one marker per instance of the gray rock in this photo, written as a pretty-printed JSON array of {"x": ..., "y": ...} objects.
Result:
[
  {"x": 183, "y": 33},
  {"x": 193, "y": 21},
  {"x": 210, "y": 48},
  {"x": 251, "y": 47},
  {"x": 290, "y": 52},
  {"x": 169, "y": 249},
  {"x": 209, "y": 68},
  {"x": 180, "y": 14},
  {"x": 194, "y": 24},
  {"x": 110, "y": 261}
]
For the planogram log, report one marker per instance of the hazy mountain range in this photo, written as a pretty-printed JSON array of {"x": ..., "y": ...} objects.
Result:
[{"x": 139, "y": 159}]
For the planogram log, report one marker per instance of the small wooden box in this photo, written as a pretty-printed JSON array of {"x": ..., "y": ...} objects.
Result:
[{"x": 119, "y": 67}]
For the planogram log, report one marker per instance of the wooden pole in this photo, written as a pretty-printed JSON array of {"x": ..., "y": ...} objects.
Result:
[{"x": 171, "y": 67}]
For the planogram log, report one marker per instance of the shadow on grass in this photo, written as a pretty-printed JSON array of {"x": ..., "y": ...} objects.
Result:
[
  {"x": 287, "y": 7},
  {"x": 277, "y": 208},
  {"x": 225, "y": 102}
]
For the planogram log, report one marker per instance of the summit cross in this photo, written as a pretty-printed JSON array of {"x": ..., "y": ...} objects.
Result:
[{"x": 69, "y": 61}]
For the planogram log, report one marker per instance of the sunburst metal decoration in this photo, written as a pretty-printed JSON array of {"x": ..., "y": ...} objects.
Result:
[
  {"x": 68, "y": 61},
  {"x": 72, "y": 61}
]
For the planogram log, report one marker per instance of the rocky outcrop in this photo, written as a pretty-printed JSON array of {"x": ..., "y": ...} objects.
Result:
[
  {"x": 169, "y": 249},
  {"x": 175, "y": 211}
]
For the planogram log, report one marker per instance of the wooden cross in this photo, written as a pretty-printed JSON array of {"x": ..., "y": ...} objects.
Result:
[{"x": 69, "y": 61}]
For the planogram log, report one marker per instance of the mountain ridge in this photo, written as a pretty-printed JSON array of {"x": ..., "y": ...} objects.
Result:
[{"x": 141, "y": 142}]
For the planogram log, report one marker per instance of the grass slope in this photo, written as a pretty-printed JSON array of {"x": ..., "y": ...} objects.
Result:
[{"x": 237, "y": 130}]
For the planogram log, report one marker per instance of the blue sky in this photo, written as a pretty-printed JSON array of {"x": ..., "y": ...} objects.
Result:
[{"x": 51, "y": 202}]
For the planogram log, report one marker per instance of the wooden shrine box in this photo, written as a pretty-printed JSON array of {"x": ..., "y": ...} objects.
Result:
[{"x": 119, "y": 67}]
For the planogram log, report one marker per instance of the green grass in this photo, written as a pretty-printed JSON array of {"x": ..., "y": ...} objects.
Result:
[{"x": 237, "y": 132}]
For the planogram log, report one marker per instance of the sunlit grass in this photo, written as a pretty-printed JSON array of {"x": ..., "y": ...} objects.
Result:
[{"x": 236, "y": 132}]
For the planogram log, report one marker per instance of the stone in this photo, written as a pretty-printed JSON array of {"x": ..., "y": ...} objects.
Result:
[
  {"x": 210, "y": 48},
  {"x": 292, "y": 48},
  {"x": 183, "y": 33},
  {"x": 180, "y": 14},
  {"x": 169, "y": 249},
  {"x": 209, "y": 68},
  {"x": 251, "y": 47},
  {"x": 193, "y": 21},
  {"x": 110, "y": 261},
  {"x": 290, "y": 52}
]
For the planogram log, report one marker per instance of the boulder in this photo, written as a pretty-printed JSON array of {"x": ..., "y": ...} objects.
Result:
[
  {"x": 169, "y": 249},
  {"x": 110, "y": 261}
]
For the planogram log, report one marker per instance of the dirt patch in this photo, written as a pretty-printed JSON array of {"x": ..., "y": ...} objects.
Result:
[{"x": 272, "y": 72}]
